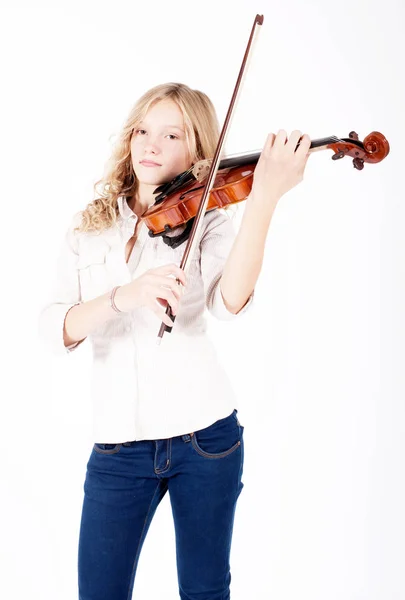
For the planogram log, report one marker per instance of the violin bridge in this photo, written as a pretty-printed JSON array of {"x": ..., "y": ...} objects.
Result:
[{"x": 201, "y": 169}]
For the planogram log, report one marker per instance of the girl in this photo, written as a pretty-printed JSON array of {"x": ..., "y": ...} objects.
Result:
[{"x": 164, "y": 416}]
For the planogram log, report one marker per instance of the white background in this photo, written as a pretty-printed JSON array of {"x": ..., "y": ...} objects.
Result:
[{"x": 317, "y": 363}]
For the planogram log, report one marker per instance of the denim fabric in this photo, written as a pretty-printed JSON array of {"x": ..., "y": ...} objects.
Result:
[{"x": 124, "y": 485}]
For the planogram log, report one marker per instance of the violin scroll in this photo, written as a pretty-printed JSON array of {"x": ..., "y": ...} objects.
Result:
[
  {"x": 377, "y": 146},
  {"x": 373, "y": 149}
]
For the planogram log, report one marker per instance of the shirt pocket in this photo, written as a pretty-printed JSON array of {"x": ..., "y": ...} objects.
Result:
[{"x": 92, "y": 270}]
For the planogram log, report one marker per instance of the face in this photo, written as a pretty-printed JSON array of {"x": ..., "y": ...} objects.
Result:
[{"x": 159, "y": 150}]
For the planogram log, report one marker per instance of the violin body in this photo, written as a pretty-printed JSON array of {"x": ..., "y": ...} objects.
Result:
[{"x": 231, "y": 185}]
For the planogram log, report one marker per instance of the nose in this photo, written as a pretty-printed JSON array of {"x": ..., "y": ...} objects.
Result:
[{"x": 151, "y": 147}]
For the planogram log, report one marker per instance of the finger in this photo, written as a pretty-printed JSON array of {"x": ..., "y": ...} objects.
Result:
[
  {"x": 172, "y": 269},
  {"x": 280, "y": 140},
  {"x": 162, "y": 302},
  {"x": 305, "y": 144},
  {"x": 163, "y": 316},
  {"x": 268, "y": 143},
  {"x": 165, "y": 304},
  {"x": 302, "y": 164},
  {"x": 294, "y": 139},
  {"x": 160, "y": 282},
  {"x": 173, "y": 285},
  {"x": 168, "y": 295}
]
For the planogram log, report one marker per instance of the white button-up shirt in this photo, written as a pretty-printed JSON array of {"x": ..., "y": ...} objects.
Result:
[{"x": 141, "y": 390}]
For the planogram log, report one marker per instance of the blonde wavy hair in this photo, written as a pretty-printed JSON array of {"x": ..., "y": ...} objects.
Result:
[{"x": 202, "y": 134}]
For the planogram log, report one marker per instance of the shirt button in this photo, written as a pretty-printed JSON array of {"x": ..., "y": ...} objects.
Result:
[{"x": 128, "y": 328}]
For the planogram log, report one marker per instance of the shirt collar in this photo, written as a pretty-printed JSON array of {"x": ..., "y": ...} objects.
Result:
[{"x": 124, "y": 210}]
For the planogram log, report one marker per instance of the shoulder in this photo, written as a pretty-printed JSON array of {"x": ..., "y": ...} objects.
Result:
[
  {"x": 75, "y": 222},
  {"x": 71, "y": 235},
  {"x": 74, "y": 233}
]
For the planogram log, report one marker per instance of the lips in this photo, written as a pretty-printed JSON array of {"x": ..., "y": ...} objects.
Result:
[{"x": 149, "y": 163}]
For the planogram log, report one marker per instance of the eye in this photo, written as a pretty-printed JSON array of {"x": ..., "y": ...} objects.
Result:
[
  {"x": 140, "y": 131},
  {"x": 172, "y": 136}
]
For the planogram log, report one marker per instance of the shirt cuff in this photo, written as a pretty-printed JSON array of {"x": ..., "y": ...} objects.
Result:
[{"x": 51, "y": 324}]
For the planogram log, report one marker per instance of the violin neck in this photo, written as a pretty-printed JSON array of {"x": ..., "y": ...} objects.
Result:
[
  {"x": 239, "y": 160},
  {"x": 323, "y": 143}
]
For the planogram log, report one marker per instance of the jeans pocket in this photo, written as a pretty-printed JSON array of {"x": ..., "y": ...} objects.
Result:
[
  {"x": 107, "y": 448},
  {"x": 219, "y": 439}
]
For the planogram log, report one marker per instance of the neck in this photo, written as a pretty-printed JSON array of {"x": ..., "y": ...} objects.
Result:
[{"x": 142, "y": 199}]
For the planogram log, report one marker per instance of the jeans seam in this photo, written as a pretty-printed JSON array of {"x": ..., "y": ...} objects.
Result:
[
  {"x": 140, "y": 540},
  {"x": 169, "y": 453}
]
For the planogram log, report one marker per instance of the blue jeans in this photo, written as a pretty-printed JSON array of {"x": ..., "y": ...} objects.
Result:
[{"x": 125, "y": 483}]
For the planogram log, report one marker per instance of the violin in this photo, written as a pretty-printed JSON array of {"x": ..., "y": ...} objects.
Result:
[{"x": 178, "y": 201}]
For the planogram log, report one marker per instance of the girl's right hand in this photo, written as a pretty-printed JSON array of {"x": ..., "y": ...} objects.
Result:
[{"x": 154, "y": 287}]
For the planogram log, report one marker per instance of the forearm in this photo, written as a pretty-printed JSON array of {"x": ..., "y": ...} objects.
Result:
[
  {"x": 245, "y": 260},
  {"x": 84, "y": 318}
]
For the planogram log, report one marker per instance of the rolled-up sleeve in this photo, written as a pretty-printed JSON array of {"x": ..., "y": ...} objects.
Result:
[
  {"x": 216, "y": 244},
  {"x": 66, "y": 294}
]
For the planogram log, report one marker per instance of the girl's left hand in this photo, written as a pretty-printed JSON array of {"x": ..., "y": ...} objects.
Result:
[{"x": 280, "y": 167}]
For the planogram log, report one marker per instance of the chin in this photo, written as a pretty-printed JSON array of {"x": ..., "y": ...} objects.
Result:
[{"x": 152, "y": 179}]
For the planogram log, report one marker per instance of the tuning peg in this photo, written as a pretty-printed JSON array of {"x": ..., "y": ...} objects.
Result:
[
  {"x": 338, "y": 155},
  {"x": 358, "y": 163},
  {"x": 353, "y": 135}
]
